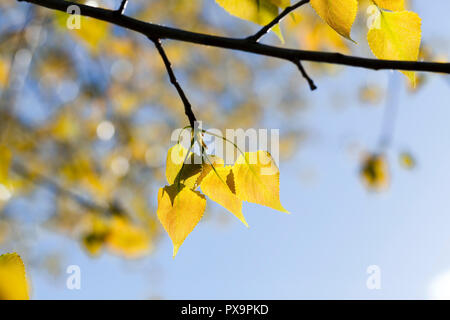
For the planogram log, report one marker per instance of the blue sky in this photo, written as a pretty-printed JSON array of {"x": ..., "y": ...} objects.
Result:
[{"x": 337, "y": 228}]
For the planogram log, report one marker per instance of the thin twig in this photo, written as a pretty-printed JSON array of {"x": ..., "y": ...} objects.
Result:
[
  {"x": 176, "y": 84},
  {"x": 305, "y": 75},
  {"x": 123, "y": 6},
  {"x": 257, "y": 36}
]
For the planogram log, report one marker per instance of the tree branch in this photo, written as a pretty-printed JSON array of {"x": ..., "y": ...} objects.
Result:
[
  {"x": 176, "y": 84},
  {"x": 160, "y": 32},
  {"x": 277, "y": 20},
  {"x": 123, "y": 6},
  {"x": 257, "y": 36}
]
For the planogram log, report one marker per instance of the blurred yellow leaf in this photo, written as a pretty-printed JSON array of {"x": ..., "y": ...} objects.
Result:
[
  {"x": 4, "y": 70},
  {"x": 396, "y": 36},
  {"x": 375, "y": 173},
  {"x": 179, "y": 211},
  {"x": 338, "y": 14},
  {"x": 95, "y": 237},
  {"x": 65, "y": 127},
  {"x": 257, "y": 179},
  {"x": 219, "y": 186},
  {"x": 5, "y": 160},
  {"x": 13, "y": 282},
  {"x": 407, "y": 160},
  {"x": 126, "y": 239},
  {"x": 92, "y": 32}
]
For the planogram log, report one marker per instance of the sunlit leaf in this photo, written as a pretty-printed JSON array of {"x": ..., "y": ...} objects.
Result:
[
  {"x": 182, "y": 169},
  {"x": 396, "y": 36},
  {"x": 179, "y": 211},
  {"x": 13, "y": 282},
  {"x": 219, "y": 186},
  {"x": 338, "y": 14},
  {"x": 257, "y": 179}
]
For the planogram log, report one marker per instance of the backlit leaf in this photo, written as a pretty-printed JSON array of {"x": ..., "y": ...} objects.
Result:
[
  {"x": 179, "y": 211},
  {"x": 338, "y": 14},
  {"x": 186, "y": 174},
  {"x": 396, "y": 36},
  {"x": 257, "y": 179},
  {"x": 219, "y": 186},
  {"x": 13, "y": 282}
]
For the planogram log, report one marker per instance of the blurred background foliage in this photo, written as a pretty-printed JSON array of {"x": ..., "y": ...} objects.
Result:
[{"x": 87, "y": 115}]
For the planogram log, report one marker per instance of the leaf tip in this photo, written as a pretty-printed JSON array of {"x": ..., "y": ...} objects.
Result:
[{"x": 176, "y": 247}]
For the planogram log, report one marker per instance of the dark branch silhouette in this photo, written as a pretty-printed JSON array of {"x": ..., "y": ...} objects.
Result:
[
  {"x": 174, "y": 81},
  {"x": 305, "y": 75},
  {"x": 123, "y": 6},
  {"x": 160, "y": 32},
  {"x": 277, "y": 20}
]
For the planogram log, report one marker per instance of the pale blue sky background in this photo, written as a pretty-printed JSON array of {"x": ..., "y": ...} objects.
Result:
[{"x": 336, "y": 229}]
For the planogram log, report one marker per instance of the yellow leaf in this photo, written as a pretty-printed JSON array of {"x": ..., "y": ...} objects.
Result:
[
  {"x": 194, "y": 169},
  {"x": 5, "y": 160},
  {"x": 375, "y": 173},
  {"x": 393, "y": 5},
  {"x": 257, "y": 179},
  {"x": 338, "y": 14},
  {"x": 281, "y": 3},
  {"x": 13, "y": 282},
  {"x": 179, "y": 211},
  {"x": 396, "y": 36},
  {"x": 128, "y": 240},
  {"x": 261, "y": 12},
  {"x": 219, "y": 186},
  {"x": 213, "y": 161},
  {"x": 186, "y": 174},
  {"x": 97, "y": 231}
]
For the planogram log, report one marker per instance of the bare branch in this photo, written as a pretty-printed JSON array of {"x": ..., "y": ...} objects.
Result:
[
  {"x": 277, "y": 20},
  {"x": 176, "y": 84},
  {"x": 160, "y": 32}
]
